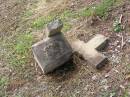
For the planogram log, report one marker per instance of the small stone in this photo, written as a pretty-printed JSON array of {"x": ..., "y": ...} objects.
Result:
[
  {"x": 118, "y": 46},
  {"x": 106, "y": 87},
  {"x": 54, "y": 27},
  {"x": 115, "y": 70},
  {"x": 122, "y": 87},
  {"x": 58, "y": 88},
  {"x": 86, "y": 87},
  {"x": 104, "y": 81},
  {"x": 94, "y": 77},
  {"x": 128, "y": 40},
  {"x": 107, "y": 75}
]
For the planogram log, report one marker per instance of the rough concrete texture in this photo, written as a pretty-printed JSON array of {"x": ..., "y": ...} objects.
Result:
[
  {"x": 90, "y": 50},
  {"x": 52, "y": 52}
]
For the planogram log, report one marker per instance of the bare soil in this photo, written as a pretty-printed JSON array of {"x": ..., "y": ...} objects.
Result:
[{"x": 77, "y": 78}]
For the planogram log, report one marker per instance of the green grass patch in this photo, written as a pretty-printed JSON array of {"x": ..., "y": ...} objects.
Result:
[
  {"x": 28, "y": 13},
  {"x": 3, "y": 83},
  {"x": 86, "y": 12},
  {"x": 41, "y": 22},
  {"x": 100, "y": 10},
  {"x": 103, "y": 8},
  {"x": 20, "y": 51},
  {"x": 68, "y": 14},
  {"x": 126, "y": 94},
  {"x": 117, "y": 26},
  {"x": 67, "y": 26}
]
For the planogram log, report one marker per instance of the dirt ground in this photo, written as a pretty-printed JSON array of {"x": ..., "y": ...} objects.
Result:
[{"x": 77, "y": 78}]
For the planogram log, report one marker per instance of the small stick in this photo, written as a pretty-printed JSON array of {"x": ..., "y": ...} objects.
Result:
[
  {"x": 122, "y": 43},
  {"x": 120, "y": 20}
]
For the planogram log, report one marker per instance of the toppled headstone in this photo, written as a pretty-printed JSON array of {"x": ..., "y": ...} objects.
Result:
[
  {"x": 90, "y": 50},
  {"x": 53, "y": 51}
]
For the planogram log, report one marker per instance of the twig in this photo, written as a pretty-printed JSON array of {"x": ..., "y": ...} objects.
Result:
[
  {"x": 120, "y": 20},
  {"x": 122, "y": 42}
]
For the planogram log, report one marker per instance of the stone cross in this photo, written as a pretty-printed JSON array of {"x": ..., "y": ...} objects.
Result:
[
  {"x": 53, "y": 51},
  {"x": 90, "y": 50}
]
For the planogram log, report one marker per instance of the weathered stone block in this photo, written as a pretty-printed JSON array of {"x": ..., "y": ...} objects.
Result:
[
  {"x": 52, "y": 52},
  {"x": 90, "y": 50}
]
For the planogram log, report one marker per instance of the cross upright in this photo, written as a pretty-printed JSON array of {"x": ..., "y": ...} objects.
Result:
[{"x": 90, "y": 50}]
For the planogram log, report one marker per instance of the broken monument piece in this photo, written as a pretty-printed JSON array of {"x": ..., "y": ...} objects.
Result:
[
  {"x": 54, "y": 28},
  {"x": 53, "y": 51},
  {"x": 90, "y": 50}
]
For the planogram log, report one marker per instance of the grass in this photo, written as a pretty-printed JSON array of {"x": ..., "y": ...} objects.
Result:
[
  {"x": 100, "y": 10},
  {"x": 86, "y": 12},
  {"x": 41, "y": 22},
  {"x": 67, "y": 26},
  {"x": 126, "y": 94},
  {"x": 68, "y": 14},
  {"x": 117, "y": 26},
  {"x": 103, "y": 8},
  {"x": 20, "y": 51},
  {"x": 28, "y": 13},
  {"x": 3, "y": 83}
]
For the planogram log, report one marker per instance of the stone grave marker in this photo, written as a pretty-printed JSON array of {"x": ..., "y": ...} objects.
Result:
[
  {"x": 53, "y": 51},
  {"x": 90, "y": 50}
]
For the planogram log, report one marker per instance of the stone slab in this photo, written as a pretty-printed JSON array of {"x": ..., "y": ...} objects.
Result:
[
  {"x": 90, "y": 50},
  {"x": 52, "y": 52}
]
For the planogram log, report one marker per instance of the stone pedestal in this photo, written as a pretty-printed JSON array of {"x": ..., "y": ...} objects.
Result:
[{"x": 53, "y": 51}]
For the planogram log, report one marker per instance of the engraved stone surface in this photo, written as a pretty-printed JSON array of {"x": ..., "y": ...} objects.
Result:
[
  {"x": 52, "y": 52},
  {"x": 90, "y": 50},
  {"x": 54, "y": 27}
]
